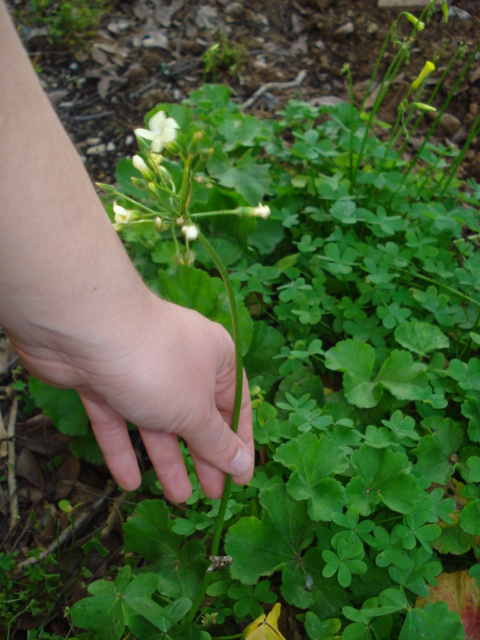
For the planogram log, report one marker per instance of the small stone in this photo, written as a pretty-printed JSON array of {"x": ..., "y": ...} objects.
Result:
[
  {"x": 372, "y": 29},
  {"x": 345, "y": 30},
  {"x": 325, "y": 101},
  {"x": 73, "y": 66},
  {"x": 93, "y": 141},
  {"x": 110, "y": 146},
  {"x": 455, "y": 12},
  {"x": 461, "y": 135},
  {"x": 448, "y": 124},
  {"x": 320, "y": 44},
  {"x": 129, "y": 139},
  {"x": 97, "y": 150}
]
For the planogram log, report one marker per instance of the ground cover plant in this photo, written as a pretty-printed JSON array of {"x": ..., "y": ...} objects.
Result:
[{"x": 355, "y": 306}]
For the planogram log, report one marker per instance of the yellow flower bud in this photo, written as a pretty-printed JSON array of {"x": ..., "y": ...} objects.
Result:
[
  {"x": 415, "y": 21},
  {"x": 424, "y": 73},
  {"x": 445, "y": 11},
  {"x": 423, "y": 107}
]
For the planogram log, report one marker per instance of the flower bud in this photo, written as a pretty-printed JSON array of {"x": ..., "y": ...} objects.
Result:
[
  {"x": 190, "y": 231},
  {"x": 424, "y": 73},
  {"x": 158, "y": 224},
  {"x": 140, "y": 165},
  {"x": 260, "y": 211},
  {"x": 106, "y": 187},
  {"x": 122, "y": 215},
  {"x": 424, "y": 107},
  {"x": 445, "y": 10},
  {"x": 415, "y": 21}
]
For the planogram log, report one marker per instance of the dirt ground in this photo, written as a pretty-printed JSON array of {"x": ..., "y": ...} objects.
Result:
[
  {"x": 150, "y": 51},
  {"x": 147, "y": 51}
]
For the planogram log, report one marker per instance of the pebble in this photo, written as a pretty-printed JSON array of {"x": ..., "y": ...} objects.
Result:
[
  {"x": 455, "y": 12},
  {"x": 449, "y": 124},
  {"x": 345, "y": 30},
  {"x": 93, "y": 141},
  {"x": 110, "y": 146},
  {"x": 129, "y": 139},
  {"x": 320, "y": 44},
  {"x": 97, "y": 150},
  {"x": 372, "y": 29}
]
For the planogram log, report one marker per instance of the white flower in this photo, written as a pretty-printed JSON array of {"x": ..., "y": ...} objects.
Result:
[
  {"x": 190, "y": 231},
  {"x": 122, "y": 215},
  {"x": 139, "y": 164},
  {"x": 161, "y": 130},
  {"x": 261, "y": 211}
]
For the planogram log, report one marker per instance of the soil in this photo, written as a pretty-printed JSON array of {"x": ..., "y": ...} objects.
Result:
[{"x": 146, "y": 52}]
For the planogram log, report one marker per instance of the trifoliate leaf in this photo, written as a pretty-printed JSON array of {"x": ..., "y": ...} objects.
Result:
[
  {"x": 382, "y": 476},
  {"x": 247, "y": 177},
  {"x": 467, "y": 375},
  {"x": 420, "y": 337},
  {"x": 314, "y": 459}
]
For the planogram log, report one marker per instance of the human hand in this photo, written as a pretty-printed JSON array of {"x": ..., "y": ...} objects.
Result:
[{"x": 170, "y": 371}]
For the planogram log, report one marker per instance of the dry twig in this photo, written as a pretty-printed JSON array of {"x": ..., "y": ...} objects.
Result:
[
  {"x": 274, "y": 85},
  {"x": 67, "y": 532}
]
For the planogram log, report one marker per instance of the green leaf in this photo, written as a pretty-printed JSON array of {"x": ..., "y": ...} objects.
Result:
[
  {"x": 313, "y": 460},
  {"x": 247, "y": 177},
  {"x": 259, "y": 547},
  {"x": 434, "y": 622},
  {"x": 322, "y": 629},
  {"x": 398, "y": 374},
  {"x": 470, "y": 518},
  {"x": 259, "y": 360},
  {"x": 179, "y": 569},
  {"x": 195, "y": 289},
  {"x": 100, "y": 613},
  {"x": 467, "y": 375},
  {"x": 62, "y": 406},
  {"x": 382, "y": 476},
  {"x": 434, "y": 451},
  {"x": 420, "y": 337}
]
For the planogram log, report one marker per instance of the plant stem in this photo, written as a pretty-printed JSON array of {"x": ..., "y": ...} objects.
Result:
[
  {"x": 437, "y": 120},
  {"x": 217, "y": 532},
  {"x": 458, "y": 160}
]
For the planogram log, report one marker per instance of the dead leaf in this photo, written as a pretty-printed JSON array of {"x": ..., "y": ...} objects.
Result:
[
  {"x": 28, "y": 468},
  {"x": 205, "y": 15},
  {"x": 164, "y": 15},
  {"x": 156, "y": 39},
  {"x": 462, "y": 595},
  {"x": 66, "y": 476}
]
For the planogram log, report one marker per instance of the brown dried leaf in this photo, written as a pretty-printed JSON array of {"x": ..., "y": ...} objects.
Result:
[
  {"x": 28, "y": 468},
  {"x": 66, "y": 477}
]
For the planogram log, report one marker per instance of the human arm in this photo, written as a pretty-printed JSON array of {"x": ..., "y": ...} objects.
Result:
[{"x": 79, "y": 315}]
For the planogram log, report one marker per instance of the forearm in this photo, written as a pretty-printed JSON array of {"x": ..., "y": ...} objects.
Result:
[{"x": 63, "y": 271}]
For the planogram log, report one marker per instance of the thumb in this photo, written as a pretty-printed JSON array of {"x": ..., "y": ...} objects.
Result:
[{"x": 218, "y": 446}]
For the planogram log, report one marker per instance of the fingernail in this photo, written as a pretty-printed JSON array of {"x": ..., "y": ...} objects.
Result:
[{"x": 241, "y": 463}]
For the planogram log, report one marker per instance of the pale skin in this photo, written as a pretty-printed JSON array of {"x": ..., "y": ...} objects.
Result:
[{"x": 79, "y": 315}]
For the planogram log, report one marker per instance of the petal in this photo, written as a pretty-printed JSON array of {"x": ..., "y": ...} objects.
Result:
[
  {"x": 157, "y": 121},
  {"x": 157, "y": 144},
  {"x": 171, "y": 122},
  {"x": 145, "y": 133}
]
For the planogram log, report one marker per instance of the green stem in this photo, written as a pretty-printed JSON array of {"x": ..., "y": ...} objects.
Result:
[
  {"x": 186, "y": 180},
  {"x": 458, "y": 160},
  {"x": 389, "y": 76},
  {"x": 431, "y": 99},
  {"x": 239, "y": 211},
  {"x": 437, "y": 120},
  {"x": 217, "y": 532},
  {"x": 352, "y": 128}
]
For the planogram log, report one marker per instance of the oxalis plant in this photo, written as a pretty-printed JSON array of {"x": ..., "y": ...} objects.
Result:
[{"x": 357, "y": 314}]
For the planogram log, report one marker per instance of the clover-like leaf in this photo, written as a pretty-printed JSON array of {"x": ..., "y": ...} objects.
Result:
[
  {"x": 382, "y": 476},
  {"x": 434, "y": 621},
  {"x": 314, "y": 459},
  {"x": 420, "y": 337},
  {"x": 398, "y": 374},
  {"x": 434, "y": 452},
  {"x": 179, "y": 568}
]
